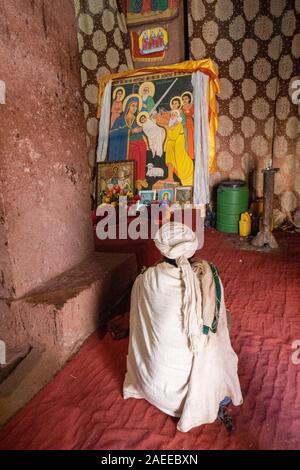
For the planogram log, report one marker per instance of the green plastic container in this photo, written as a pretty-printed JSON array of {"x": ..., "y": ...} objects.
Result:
[{"x": 232, "y": 200}]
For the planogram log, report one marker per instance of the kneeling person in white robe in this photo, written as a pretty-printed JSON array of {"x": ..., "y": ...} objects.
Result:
[{"x": 180, "y": 357}]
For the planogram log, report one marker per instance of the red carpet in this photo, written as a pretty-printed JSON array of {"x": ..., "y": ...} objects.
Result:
[{"x": 82, "y": 408}]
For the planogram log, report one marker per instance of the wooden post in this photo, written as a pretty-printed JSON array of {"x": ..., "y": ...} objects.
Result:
[{"x": 265, "y": 235}]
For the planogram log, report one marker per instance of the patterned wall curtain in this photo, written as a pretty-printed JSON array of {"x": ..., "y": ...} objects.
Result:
[
  {"x": 256, "y": 47},
  {"x": 104, "y": 48}
]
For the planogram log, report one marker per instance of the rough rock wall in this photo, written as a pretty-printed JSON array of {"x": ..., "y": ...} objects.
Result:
[{"x": 45, "y": 221}]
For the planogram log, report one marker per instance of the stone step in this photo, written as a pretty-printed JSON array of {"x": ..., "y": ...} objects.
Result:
[
  {"x": 13, "y": 357},
  {"x": 27, "y": 379},
  {"x": 65, "y": 310},
  {"x": 55, "y": 320}
]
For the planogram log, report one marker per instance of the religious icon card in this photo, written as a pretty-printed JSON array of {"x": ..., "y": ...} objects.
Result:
[
  {"x": 147, "y": 197},
  {"x": 184, "y": 194},
  {"x": 165, "y": 196}
]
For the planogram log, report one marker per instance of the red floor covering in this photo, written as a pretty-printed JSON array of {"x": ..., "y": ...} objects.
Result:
[{"x": 82, "y": 407}]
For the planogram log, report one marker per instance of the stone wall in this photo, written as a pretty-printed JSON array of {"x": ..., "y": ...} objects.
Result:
[{"x": 44, "y": 202}]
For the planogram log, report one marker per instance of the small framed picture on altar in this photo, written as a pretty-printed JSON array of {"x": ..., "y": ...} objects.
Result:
[
  {"x": 184, "y": 194},
  {"x": 147, "y": 197},
  {"x": 115, "y": 176},
  {"x": 166, "y": 196}
]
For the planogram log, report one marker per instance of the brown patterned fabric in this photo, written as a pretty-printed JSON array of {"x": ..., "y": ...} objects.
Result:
[
  {"x": 104, "y": 48},
  {"x": 256, "y": 47}
]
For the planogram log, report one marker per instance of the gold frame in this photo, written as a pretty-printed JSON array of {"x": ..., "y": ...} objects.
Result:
[{"x": 116, "y": 163}]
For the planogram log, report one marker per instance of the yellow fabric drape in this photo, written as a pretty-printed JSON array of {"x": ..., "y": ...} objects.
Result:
[{"x": 189, "y": 66}]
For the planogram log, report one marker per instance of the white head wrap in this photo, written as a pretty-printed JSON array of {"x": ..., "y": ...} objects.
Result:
[
  {"x": 177, "y": 241},
  {"x": 174, "y": 240}
]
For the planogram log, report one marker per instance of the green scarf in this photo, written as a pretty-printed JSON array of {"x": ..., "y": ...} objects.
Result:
[{"x": 218, "y": 290}]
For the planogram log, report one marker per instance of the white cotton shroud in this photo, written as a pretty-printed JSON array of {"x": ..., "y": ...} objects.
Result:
[{"x": 170, "y": 362}]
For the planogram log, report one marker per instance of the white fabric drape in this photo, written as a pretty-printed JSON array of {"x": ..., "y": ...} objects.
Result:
[
  {"x": 104, "y": 124},
  {"x": 201, "y": 138}
]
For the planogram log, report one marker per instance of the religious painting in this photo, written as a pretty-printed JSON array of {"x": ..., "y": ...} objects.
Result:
[
  {"x": 184, "y": 194},
  {"x": 147, "y": 11},
  {"x": 150, "y": 44},
  {"x": 152, "y": 123},
  {"x": 115, "y": 176},
  {"x": 165, "y": 196},
  {"x": 148, "y": 116}
]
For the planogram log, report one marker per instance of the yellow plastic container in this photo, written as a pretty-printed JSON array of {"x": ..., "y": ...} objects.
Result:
[{"x": 245, "y": 224}]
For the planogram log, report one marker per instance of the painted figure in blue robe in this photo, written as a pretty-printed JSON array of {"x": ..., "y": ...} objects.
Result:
[
  {"x": 127, "y": 141},
  {"x": 119, "y": 133}
]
